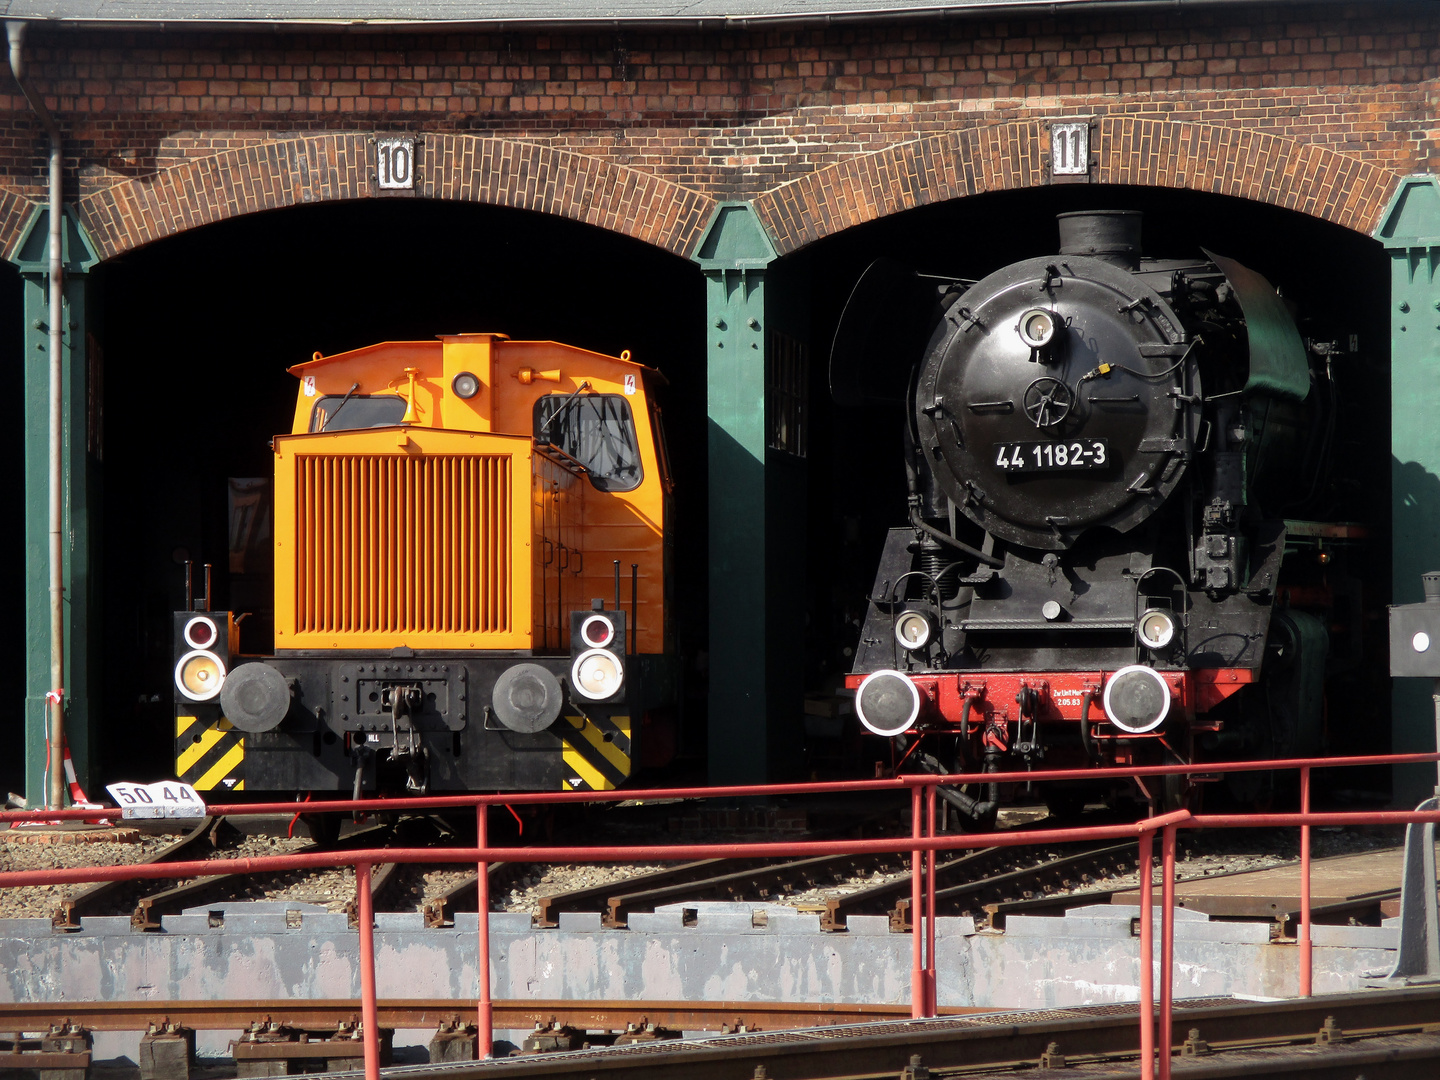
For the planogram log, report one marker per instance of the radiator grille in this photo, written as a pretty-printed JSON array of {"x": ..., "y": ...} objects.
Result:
[{"x": 400, "y": 544}]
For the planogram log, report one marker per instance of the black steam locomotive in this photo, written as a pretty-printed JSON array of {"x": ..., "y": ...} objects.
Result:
[{"x": 1107, "y": 458}]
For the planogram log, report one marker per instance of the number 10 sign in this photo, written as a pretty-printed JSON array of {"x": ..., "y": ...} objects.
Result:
[{"x": 395, "y": 161}]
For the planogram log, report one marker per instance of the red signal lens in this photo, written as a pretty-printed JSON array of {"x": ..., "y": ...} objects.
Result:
[
  {"x": 597, "y": 631},
  {"x": 200, "y": 633}
]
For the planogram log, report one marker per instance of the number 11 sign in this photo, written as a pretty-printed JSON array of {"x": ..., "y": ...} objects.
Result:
[{"x": 1070, "y": 148}]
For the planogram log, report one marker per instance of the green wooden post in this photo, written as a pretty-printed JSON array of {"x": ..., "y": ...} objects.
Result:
[
  {"x": 80, "y": 495},
  {"x": 1410, "y": 231},
  {"x": 754, "y": 705}
]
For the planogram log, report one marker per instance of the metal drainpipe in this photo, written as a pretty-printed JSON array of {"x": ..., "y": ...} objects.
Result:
[{"x": 56, "y": 790}]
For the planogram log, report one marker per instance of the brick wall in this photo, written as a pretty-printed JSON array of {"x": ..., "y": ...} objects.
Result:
[{"x": 808, "y": 121}]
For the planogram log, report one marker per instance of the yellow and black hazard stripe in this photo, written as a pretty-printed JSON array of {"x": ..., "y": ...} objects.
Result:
[
  {"x": 209, "y": 755},
  {"x": 596, "y": 754}
]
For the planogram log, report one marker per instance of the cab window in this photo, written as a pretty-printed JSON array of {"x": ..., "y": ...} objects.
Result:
[
  {"x": 596, "y": 430},
  {"x": 337, "y": 413}
]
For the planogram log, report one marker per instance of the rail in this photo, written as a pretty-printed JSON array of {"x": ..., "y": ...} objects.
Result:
[{"x": 923, "y": 844}]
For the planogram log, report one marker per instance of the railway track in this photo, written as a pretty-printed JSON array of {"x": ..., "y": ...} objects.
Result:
[
  {"x": 429, "y": 1012},
  {"x": 987, "y": 884},
  {"x": 389, "y": 881},
  {"x": 199, "y": 842},
  {"x": 1380, "y": 1034},
  {"x": 964, "y": 883}
]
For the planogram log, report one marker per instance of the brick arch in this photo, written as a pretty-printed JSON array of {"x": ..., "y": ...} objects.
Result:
[
  {"x": 325, "y": 168},
  {"x": 1225, "y": 160}
]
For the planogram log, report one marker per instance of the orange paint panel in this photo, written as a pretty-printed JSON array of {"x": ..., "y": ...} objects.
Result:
[
  {"x": 408, "y": 534},
  {"x": 375, "y": 558}
]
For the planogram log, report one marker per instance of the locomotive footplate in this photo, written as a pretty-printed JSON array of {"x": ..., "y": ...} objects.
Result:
[
  {"x": 431, "y": 723},
  {"x": 968, "y": 701}
]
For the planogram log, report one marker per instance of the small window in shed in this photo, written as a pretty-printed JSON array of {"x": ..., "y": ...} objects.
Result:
[
  {"x": 787, "y": 394},
  {"x": 339, "y": 413},
  {"x": 597, "y": 431}
]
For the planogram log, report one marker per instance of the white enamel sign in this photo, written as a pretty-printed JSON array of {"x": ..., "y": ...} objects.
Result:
[
  {"x": 395, "y": 161},
  {"x": 163, "y": 799},
  {"x": 1070, "y": 148}
]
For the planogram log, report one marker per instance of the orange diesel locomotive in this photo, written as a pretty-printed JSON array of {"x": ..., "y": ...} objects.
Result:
[{"x": 470, "y": 580}]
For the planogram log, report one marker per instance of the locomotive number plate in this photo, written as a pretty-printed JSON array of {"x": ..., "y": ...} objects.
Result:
[{"x": 1027, "y": 457}]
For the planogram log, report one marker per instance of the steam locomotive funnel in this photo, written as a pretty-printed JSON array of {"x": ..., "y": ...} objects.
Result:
[{"x": 1111, "y": 236}]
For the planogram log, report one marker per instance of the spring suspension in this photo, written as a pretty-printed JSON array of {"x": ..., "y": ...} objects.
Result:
[{"x": 935, "y": 559}]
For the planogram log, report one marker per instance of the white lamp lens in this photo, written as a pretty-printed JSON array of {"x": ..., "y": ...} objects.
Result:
[
  {"x": 912, "y": 630},
  {"x": 200, "y": 675},
  {"x": 1037, "y": 328},
  {"x": 1156, "y": 629},
  {"x": 596, "y": 674}
]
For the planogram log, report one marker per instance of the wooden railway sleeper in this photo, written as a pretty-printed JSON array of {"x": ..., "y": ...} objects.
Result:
[
  {"x": 62, "y": 1053},
  {"x": 167, "y": 1051},
  {"x": 268, "y": 1044}
]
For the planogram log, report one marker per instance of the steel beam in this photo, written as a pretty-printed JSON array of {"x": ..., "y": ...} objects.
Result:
[
  {"x": 80, "y": 453},
  {"x": 756, "y": 510},
  {"x": 1410, "y": 231}
]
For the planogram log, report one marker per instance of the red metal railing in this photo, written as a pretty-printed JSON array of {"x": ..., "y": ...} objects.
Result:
[{"x": 923, "y": 844}]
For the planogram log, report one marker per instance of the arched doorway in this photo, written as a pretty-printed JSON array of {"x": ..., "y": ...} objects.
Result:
[
  {"x": 197, "y": 330},
  {"x": 857, "y": 489}
]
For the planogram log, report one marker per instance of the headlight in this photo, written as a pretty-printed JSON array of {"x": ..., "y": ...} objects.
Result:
[
  {"x": 1156, "y": 628},
  {"x": 1136, "y": 699},
  {"x": 199, "y": 675},
  {"x": 597, "y": 631},
  {"x": 200, "y": 633},
  {"x": 1037, "y": 328},
  {"x": 913, "y": 630},
  {"x": 465, "y": 385},
  {"x": 887, "y": 703},
  {"x": 597, "y": 674}
]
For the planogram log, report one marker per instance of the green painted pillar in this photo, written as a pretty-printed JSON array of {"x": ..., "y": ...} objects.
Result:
[
  {"x": 80, "y": 496},
  {"x": 756, "y": 504},
  {"x": 1410, "y": 231}
]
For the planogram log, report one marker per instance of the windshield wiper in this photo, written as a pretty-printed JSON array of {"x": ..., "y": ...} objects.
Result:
[
  {"x": 545, "y": 427},
  {"x": 326, "y": 422}
]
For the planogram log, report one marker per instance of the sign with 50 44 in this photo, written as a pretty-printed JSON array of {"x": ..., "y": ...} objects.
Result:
[{"x": 163, "y": 799}]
